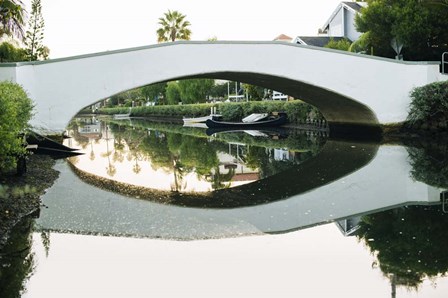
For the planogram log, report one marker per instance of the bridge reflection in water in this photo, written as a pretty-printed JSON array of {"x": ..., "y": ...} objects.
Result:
[{"x": 345, "y": 180}]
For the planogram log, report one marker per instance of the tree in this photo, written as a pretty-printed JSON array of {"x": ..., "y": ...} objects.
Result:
[
  {"x": 15, "y": 112},
  {"x": 409, "y": 242},
  {"x": 343, "y": 44},
  {"x": 255, "y": 93},
  {"x": 173, "y": 27},
  {"x": 154, "y": 92},
  {"x": 35, "y": 34},
  {"x": 12, "y": 18},
  {"x": 195, "y": 90},
  {"x": 10, "y": 53},
  {"x": 173, "y": 93},
  {"x": 420, "y": 28}
]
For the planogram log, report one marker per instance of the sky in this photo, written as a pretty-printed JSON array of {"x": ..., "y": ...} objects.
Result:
[{"x": 90, "y": 26}]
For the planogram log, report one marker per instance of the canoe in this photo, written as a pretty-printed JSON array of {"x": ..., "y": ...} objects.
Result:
[{"x": 269, "y": 122}]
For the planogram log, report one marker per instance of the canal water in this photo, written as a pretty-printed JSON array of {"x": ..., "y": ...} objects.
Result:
[{"x": 158, "y": 210}]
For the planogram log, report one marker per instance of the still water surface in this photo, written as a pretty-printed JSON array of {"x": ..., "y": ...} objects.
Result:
[{"x": 154, "y": 210}]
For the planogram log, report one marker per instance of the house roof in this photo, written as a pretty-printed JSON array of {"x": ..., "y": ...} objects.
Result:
[
  {"x": 356, "y": 6},
  {"x": 353, "y": 6},
  {"x": 317, "y": 41},
  {"x": 283, "y": 37}
]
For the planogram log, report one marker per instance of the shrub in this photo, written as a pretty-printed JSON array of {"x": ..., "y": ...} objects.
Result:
[
  {"x": 429, "y": 101},
  {"x": 15, "y": 112}
]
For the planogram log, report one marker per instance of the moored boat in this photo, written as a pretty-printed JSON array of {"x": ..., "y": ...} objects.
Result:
[{"x": 203, "y": 119}]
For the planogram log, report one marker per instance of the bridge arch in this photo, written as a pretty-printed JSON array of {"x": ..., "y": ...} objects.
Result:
[{"x": 347, "y": 88}]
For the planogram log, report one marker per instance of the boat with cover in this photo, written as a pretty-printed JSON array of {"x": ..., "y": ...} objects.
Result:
[{"x": 277, "y": 119}]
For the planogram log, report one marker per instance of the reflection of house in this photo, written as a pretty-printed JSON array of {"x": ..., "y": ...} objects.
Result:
[
  {"x": 340, "y": 25},
  {"x": 281, "y": 155},
  {"x": 91, "y": 128},
  {"x": 349, "y": 226},
  {"x": 233, "y": 161}
]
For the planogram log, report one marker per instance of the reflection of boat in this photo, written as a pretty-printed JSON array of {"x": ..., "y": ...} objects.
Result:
[
  {"x": 271, "y": 121},
  {"x": 265, "y": 132},
  {"x": 47, "y": 146}
]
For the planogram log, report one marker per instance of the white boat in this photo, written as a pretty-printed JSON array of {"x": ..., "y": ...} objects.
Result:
[
  {"x": 123, "y": 116},
  {"x": 203, "y": 119}
]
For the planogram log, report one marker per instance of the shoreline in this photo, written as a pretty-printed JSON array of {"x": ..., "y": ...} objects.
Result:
[{"x": 23, "y": 193}]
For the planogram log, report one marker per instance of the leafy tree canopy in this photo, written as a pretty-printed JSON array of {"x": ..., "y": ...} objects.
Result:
[
  {"x": 195, "y": 90},
  {"x": 12, "y": 18},
  {"x": 419, "y": 27},
  {"x": 10, "y": 53},
  {"x": 173, "y": 93},
  {"x": 15, "y": 112}
]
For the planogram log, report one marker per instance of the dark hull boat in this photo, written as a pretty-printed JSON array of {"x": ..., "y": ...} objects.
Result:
[{"x": 269, "y": 122}]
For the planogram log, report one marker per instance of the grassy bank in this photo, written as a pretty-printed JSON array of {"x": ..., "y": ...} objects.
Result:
[{"x": 297, "y": 111}]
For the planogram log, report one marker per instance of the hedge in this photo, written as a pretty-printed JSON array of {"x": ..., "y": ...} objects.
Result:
[{"x": 297, "y": 111}]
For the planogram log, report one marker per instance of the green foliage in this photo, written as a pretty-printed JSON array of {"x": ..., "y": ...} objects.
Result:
[
  {"x": 255, "y": 93},
  {"x": 18, "y": 261},
  {"x": 10, "y": 53},
  {"x": 429, "y": 102},
  {"x": 343, "y": 44},
  {"x": 15, "y": 112},
  {"x": 420, "y": 28},
  {"x": 430, "y": 166},
  {"x": 35, "y": 34},
  {"x": 12, "y": 18},
  {"x": 409, "y": 242},
  {"x": 362, "y": 45},
  {"x": 195, "y": 90},
  {"x": 173, "y": 93},
  {"x": 154, "y": 92},
  {"x": 173, "y": 26}
]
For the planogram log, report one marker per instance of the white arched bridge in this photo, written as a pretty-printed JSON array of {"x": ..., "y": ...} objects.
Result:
[{"x": 347, "y": 88}]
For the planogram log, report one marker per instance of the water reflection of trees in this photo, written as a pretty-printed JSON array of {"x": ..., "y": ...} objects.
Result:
[
  {"x": 181, "y": 154},
  {"x": 16, "y": 261},
  {"x": 430, "y": 163},
  {"x": 170, "y": 149},
  {"x": 409, "y": 242}
]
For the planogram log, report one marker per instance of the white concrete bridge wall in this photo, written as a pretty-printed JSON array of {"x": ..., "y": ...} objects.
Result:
[{"x": 61, "y": 87}]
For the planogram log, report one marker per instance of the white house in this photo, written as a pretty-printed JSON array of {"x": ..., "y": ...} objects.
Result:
[{"x": 341, "y": 24}]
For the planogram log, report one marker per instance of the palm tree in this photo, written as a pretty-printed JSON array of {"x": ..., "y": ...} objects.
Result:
[
  {"x": 12, "y": 18},
  {"x": 173, "y": 27}
]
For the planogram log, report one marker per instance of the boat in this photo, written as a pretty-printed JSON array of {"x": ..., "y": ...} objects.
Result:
[
  {"x": 203, "y": 119},
  {"x": 271, "y": 121},
  {"x": 123, "y": 116}
]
